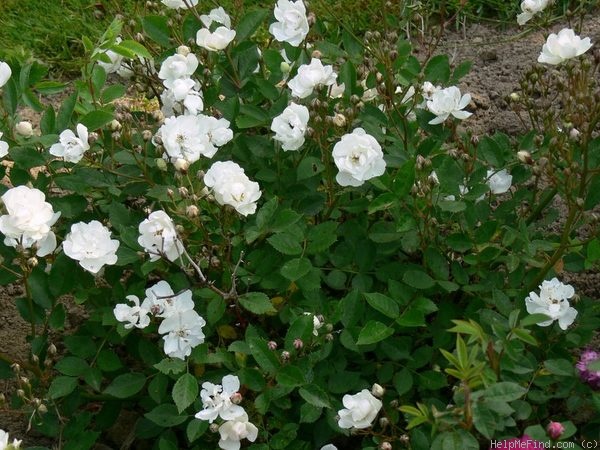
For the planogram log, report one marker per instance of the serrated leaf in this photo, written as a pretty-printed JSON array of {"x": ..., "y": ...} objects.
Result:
[
  {"x": 265, "y": 357},
  {"x": 72, "y": 366},
  {"x": 290, "y": 376},
  {"x": 418, "y": 279},
  {"x": 296, "y": 268},
  {"x": 314, "y": 395},
  {"x": 185, "y": 391},
  {"x": 285, "y": 243},
  {"x": 126, "y": 385},
  {"x": 165, "y": 416},
  {"x": 171, "y": 365},
  {"x": 257, "y": 303},
  {"x": 374, "y": 332},
  {"x": 157, "y": 28},
  {"x": 249, "y": 23},
  {"x": 383, "y": 304},
  {"x": 96, "y": 119},
  {"x": 504, "y": 391},
  {"x": 62, "y": 386}
]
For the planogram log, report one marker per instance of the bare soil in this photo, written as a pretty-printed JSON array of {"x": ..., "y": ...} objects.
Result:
[{"x": 499, "y": 59}]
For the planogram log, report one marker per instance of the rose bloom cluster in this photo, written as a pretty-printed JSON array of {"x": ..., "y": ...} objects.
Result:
[{"x": 181, "y": 326}]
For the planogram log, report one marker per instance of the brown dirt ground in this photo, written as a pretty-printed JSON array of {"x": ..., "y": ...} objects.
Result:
[{"x": 499, "y": 59}]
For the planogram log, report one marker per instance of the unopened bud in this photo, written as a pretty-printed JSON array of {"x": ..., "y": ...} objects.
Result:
[
  {"x": 555, "y": 430},
  {"x": 298, "y": 344},
  {"x": 580, "y": 202},
  {"x": 284, "y": 67},
  {"x": 183, "y": 191},
  {"x": 316, "y": 54},
  {"x": 161, "y": 164},
  {"x": 384, "y": 422},
  {"x": 329, "y": 337},
  {"x": 92, "y": 138},
  {"x": 52, "y": 349},
  {"x": 514, "y": 97},
  {"x": 158, "y": 115},
  {"x": 170, "y": 192},
  {"x": 525, "y": 157},
  {"x": 214, "y": 427},
  {"x": 20, "y": 393},
  {"x": 192, "y": 211},
  {"x": 15, "y": 367},
  {"x": 285, "y": 355},
  {"x": 385, "y": 445},
  {"x": 181, "y": 165},
  {"x": 115, "y": 125},
  {"x": 24, "y": 129},
  {"x": 377, "y": 390},
  {"x": 339, "y": 120},
  {"x": 420, "y": 162},
  {"x": 146, "y": 135},
  {"x": 32, "y": 262},
  {"x": 236, "y": 398},
  {"x": 272, "y": 345},
  {"x": 35, "y": 358},
  {"x": 183, "y": 50},
  {"x": 116, "y": 135},
  {"x": 42, "y": 409},
  {"x": 574, "y": 134},
  {"x": 24, "y": 380}
]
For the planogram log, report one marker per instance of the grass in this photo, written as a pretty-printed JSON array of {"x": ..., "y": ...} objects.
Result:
[{"x": 51, "y": 30}]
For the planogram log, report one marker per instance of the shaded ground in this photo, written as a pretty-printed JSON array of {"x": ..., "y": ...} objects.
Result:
[{"x": 499, "y": 60}]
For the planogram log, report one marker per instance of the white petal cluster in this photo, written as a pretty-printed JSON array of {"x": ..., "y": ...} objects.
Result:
[
  {"x": 189, "y": 137},
  {"x": 28, "y": 220},
  {"x": 216, "y": 400},
  {"x": 91, "y": 245},
  {"x": 446, "y": 102},
  {"x": 4, "y": 444},
  {"x": 290, "y": 126},
  {"x": 233, "y": 431},
  {"x": 317, "y": 323},
  {"x": 70, "y": 147},
  {"x": 177, "y": 67},
  {"x": 181, "y": 325},
  {"x": 553, "y": 302},
  {"x": 232, "y": 187},
  {"x": 358, "y": 157},
  {"x": 292, "y": 23},
  {"x": 178, "y": 4},
  {"x": 5, "y": 73},
  {"x": 3, "y": 147},
  {"x": 530, "y": 8},
  {"x": 222, "y": 35},
  {"x": 499, "y": 182},
  {"x": 158, "y": 237},
  {"x": 185, "y": 97},
  {"x": 310, "y": 76},
  {"x": 360, "y": 410},
  {"x": 562, "y": 46}
]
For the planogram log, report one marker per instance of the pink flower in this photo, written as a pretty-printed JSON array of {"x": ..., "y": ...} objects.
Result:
[
  {"x": 524, "y": 443},
  {"x": 589, "y": 376},
  {"x": 555, "y": 429}
]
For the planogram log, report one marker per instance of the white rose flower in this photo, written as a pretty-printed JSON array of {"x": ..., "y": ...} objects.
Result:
[
  {"x": 70, "y": 147},
  {"x": 233, "y": 431},
  {"x": 499, "y": 182},
  {"x": 24, "y": 128},
  {"x": 174, "y": 103},
  {"x": 361, "y": 410},
  {"x": 446, "y": 102},
  {"x": 290, "y": 126},
  {"x": 182, "y": 137},
  {"x": 135, "y": 316},
  {"x": 359, "y": 157},
  {"x": 176, "y": 67},
  {"x": 329, "y": 447},
  {"x": 337, "y": 90},
  {"x": 28, "y": 220},
  {"x": 368, "y": 94},
  {"x": 3, "y": 147},
  {"x": 217, "y": 15},
  {"x": 310, "y": 76},
  {"x": 530, "y": 8},
  {"x": 159, "y": 238},
  {"x": 163, "y": 302},
  {"x": 292, "y": 23},
  {"x": 4, "y": 444},
  {"x": 215, "y": 41},
  {"x": 217, "y": 133},
  {"x": 178, "y": 4},
  {"x": 562, "y": 46},
  {"x": 183, "y": 332},
  {"x": 553, "y": 302},
  {"x": 5, "y": 73},
  {"x": 232, "y": 187},
  {"x": 91, "y": 245},
  {"x": 216, "y": 400}
]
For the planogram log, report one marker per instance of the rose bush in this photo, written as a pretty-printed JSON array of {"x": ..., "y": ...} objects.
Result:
[{"x": 273, "y": 227}]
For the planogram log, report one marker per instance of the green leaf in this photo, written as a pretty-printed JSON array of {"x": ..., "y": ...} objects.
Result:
[
  {"x": 290, "y": 376},
  {"x": 438, "y": 69},
  {"x": 165, "y": 416},
  {"x": 309, "y": 167},
  {"x": 505, "y": 391},
  {"x": 96, "y": 119},
  {"x": 171, "y": 365},
  {"x": 112, "y": 93},
  {"x": 185, "y": 391},
  {"x": 374, "y": 332},
  {"x": 63, "y": 119},
  {"x": 455, "y": 440},
  {"x": 38, "y": 288},
  {"x": 257, "y": 303},
  {"x": 250, "y": 23},
  {"x": 135, "y": 48},
  {"x": 157, "y": 29},
  {"x": 296, "y": 268},
  {"x": 72, "y": 366},
  {"x": 265, "y": 357},
  {"x": 314, "y": 395},
  {"x": 383, "y": 304},
  {"x": 126, "y": 385},
  {"x": 560, "y": 367},
  {"x": 285, "y": 243},
  {"x": 321, "y": 237},
  {"x": 61, "y": 386},
  {"x": 533, "y": 319},
  {"x": 10, "y": 94},
  {"x": 26, "y": 157},
  {"x": 195, "y": 429},
  {"x": 404, "y": 179},
  {"x": 48, "y": 121},
  {"x": 418, "y": 279}
]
